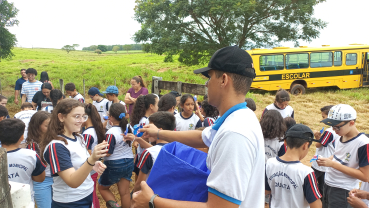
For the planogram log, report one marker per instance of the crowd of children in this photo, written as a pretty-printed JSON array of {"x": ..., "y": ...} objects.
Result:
[{"x": 61, "y": 149}]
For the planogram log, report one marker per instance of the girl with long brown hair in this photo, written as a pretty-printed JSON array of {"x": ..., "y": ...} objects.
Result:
[
  {"x": 66, "y": 153},
  {"x": 93, "y": 134},
  {"x": 36, "y": 131}
]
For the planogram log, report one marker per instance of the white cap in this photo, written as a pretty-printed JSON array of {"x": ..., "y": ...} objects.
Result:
[{"x": 340, "y": 113}]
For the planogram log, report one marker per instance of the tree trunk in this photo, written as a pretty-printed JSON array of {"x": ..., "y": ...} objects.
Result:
[{"x": 5, "y": 197}]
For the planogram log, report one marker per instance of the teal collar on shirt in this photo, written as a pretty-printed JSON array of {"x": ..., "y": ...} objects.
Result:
[{"x": 220, "y": 120}]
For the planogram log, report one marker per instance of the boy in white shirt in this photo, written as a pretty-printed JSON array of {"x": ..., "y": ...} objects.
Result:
[
  {"x": 99, "y": 102},
  {"x": 70, "y": 89},
  {"x": 291, "y": 183},
  {"x": 350, "y": 162},
  {"x": 24, "y": 165},
  {"x": 25, "y": 116}
]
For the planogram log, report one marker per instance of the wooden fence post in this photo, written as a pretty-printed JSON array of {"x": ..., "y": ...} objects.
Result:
[
  {"x": 61, "y": 82},
  {"x": 155, "y": 85},
  {"x": 179, "y": 87},
  {"x": 5, "y": 197},
  {"x": 84, "y": 88}
]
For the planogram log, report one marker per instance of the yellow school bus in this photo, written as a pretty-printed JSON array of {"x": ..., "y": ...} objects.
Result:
[{"x": 297, "y": 69}]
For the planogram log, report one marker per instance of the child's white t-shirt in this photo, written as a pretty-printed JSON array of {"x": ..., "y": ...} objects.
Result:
[
  {"x": 327, "y": 149},
  {"x": 353, "y": 154},
  {"x": 79, "y": 98},
  {"x": 101, "y": 108},
  {"x": 286, "y": 112},
  {"x": 90, "y": 138},
  {"x": 208, "y": 121},
  {"x": 148, "y": 158},
  {"x": 143, "y": 122},
  {"x": 25, "y": 116},
  {"x": 117, "y": 147},
  {"x": 22, "y": 165},
  {"x": 292, "y": 184},
  {"x": 273, "y": 148},
  {"x": 63, "y": 156},
  {"x": 185, "y": 124}
]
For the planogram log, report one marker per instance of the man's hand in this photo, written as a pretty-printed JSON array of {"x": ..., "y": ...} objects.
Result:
[
  {"x": 128, "y": 137},
  {"x": 325, "y": 162},
  {"x": 359, "y": 193},
  {"x": 16, "y": 101},
  {"x": 149, "y": 131},
  {"x": 355, "y": 202},
  {"x": 141, "y": 199}
]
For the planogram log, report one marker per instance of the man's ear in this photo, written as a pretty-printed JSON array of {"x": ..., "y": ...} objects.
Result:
[
  {"x": 2, "y": 118},
  {"x": 305, "y": 146}
]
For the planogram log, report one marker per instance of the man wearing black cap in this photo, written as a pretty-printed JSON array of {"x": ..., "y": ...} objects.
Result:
[
  {"x": 235, "y": 141},
  {"x": 291, "y": 183}
]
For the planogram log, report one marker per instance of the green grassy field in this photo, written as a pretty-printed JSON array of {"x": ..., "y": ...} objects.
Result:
[{"x": 97, "y": 70}]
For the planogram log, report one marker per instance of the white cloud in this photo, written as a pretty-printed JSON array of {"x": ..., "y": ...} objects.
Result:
[{"x": 53, "y": 24}]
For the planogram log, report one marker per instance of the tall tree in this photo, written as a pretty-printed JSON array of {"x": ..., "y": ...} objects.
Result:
[
  {"x": 93, "y": 47},
  {"x": 116, "y": 48},
  {"x": 7, "y": 19},
  {"x": 195, "y": 29},
  {"x": 69, "y": 48},
  {"x": 127, "y": 47},
  {"x": 102, "y": 48}
]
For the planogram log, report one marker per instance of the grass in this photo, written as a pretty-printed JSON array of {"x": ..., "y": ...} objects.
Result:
[{"x": 101, "y": 70}]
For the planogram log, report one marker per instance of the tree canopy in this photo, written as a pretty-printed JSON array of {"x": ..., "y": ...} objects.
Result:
[
  {"x": 195, "y": 29},
  {"x": 7, "y": 19},
  {"x": 69, "y": 48}
]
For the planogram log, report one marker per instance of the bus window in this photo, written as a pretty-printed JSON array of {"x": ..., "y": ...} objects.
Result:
[
  {"x": 321, "y": 59},
  {"x": 274, "y": 62},
  {"x": 351, "y": 59},
  {"x": 297, "y": 61},
  {"x": 338, "y": 58}
]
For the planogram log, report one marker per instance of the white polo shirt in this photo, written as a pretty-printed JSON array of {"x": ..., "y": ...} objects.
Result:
[
  {"x": 292, "y": 184},
  {"x": 273, "y": 148},
  {"x": 286, "y": 112},
  {"x": 236, "y": 158},
  {"x": 185, "y": 124},
  {"x": 353, "y": 154},
  {"x": 117, "y": 147},
  {"x": 101, "y": 108},
  {"x": 25, "y": 116},
  {"x": 327, "y": 149},
  {"x": 79, "y": 98}
]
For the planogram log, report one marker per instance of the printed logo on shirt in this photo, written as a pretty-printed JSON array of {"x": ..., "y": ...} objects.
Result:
[
  {"x": 36, "y": 88},
  {"x": 101, "y": 107},
  {"x": 282, "y": 174},
  {"x": 348, "y": 156},
  {"x": 190, "y": 127},
  {"x": 13, "y": 175}
]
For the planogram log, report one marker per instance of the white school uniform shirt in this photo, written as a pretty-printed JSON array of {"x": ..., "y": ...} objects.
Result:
[
  {"x": 273, "y": 148},
  {"x": 286, "y": 112},
  {"x": 208, "y": 121},
  {"x": 90, "y": 138},
  {"x": 30, "y": 89},
  {"x": 25, "y": 116},
  {"x": 143, "y": 122},
  {"x": 117, "y": 147},
  {"x": 292, "y": 184},
  {"x": 48, "y": 108},
  {"x": 101, "y": 108},
  {"x": 236, "y": 158},
  {"x": 22, "y": 165},
  {"x": 185, "y": 124},
  {"x": 107, "y": 106},
  {"x": 79, "y": 98},
  {"x": 327, "y": 140},
  {"x": 63, "y": 156},
  {"x": 148, "y": 158},
  {"x": 353, "y": 154}
]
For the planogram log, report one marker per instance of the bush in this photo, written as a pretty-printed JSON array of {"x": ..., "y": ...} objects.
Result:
[{"x": 98, "y": 51}]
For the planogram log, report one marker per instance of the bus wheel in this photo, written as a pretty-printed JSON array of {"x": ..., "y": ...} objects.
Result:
[{"x": 297, "y": 89}]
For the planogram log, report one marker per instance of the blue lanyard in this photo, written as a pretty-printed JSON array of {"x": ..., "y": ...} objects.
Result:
[{"x": 220, "y": 120}]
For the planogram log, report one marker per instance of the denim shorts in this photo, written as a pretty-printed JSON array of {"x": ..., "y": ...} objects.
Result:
[{"x": 115, "y": 170}]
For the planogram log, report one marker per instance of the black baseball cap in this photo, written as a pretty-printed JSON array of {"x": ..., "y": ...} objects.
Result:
[
  {"x": 230, "y": 59},
  {"x": 301, "y": 131},
  {"x": 175, "y": 93}
]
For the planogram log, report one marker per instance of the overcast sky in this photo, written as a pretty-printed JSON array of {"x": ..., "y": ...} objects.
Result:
[{"x": 53, "y": 24}]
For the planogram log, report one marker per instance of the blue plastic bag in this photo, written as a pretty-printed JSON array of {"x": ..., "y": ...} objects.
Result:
[{"x": 180, "y": 173}]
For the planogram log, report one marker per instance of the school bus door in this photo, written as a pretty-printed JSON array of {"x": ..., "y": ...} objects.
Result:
[{"x": 365, "y": 68}]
